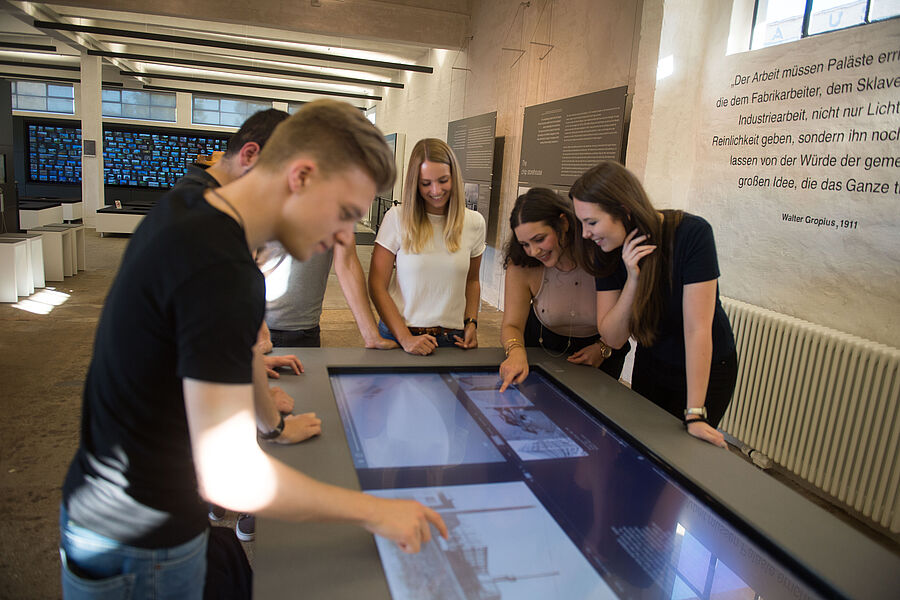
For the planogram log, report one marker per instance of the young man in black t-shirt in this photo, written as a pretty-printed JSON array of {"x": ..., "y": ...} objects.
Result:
[{"x": 174, "y": 394}]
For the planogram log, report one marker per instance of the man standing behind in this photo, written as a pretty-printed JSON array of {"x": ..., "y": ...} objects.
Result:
[
  {"x": 170, "y": 407},
  {"x": 296, "y": 288}
]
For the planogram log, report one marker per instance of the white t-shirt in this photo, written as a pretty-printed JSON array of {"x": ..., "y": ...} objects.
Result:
[{"x": 429, "y": 288}]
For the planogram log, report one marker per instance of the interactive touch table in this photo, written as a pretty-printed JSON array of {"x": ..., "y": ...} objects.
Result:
[{"x": 566, "y": 486}]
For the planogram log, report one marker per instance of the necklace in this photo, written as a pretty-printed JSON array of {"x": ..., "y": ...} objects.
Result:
[
  {"x": 231, "y": 206},
  {"x": 572, "y": 297},
  {"x": 548, "y": 352}
]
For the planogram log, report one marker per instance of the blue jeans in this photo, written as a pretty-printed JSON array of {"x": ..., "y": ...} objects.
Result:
[
  {"x": 97, "y": 567},
  {"x": 443, "y": 341}
]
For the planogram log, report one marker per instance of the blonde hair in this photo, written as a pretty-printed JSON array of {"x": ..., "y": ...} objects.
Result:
[
  {"x": 337, "y": 135},
  {"x": 417, "y": 231}
]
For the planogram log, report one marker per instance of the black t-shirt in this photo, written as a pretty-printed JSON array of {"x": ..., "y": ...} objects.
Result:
[
  {"x": 188, "y": 301},
  {"x": 196, "y": 177},
  {"x": 694, "y": 260}
]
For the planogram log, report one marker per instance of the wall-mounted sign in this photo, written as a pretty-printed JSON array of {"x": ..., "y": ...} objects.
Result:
[
  {"x": 563, "y": 139},
  {"x": 472, "y": 141}
]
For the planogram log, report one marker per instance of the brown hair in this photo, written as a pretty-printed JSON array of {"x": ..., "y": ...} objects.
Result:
[
  {"x": 257, "y": 128},
  {"x": 543, "y": 205},
  {"x": 619, "y": 193},
  {"x": 414, "y": 221},
  {"x": 337, "y": 135}
]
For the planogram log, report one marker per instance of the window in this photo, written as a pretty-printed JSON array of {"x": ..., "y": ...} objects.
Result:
[
  {"x": 294, "y": 106},
  {"x": 138, "y": 104},
  {"x": 212, "y": 110},
  {"x": 40, "y": 96},
  {"x": 779, "y": 21}
]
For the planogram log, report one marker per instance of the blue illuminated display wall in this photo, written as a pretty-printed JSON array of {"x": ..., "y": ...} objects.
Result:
[
  {"x": 54, "y": 153},
  {"x": 132, "y": 157},
  {"x": 150, "y": 159}
]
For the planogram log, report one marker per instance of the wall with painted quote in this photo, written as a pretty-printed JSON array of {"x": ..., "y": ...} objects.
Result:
[{"x": 797, "y": 166}]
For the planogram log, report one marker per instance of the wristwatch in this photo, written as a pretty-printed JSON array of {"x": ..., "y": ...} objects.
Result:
[
  {"x": 701, "y": 411},
  {"x": 605, "y": 351},
  {"x": 271, "y": 435},
  {"x": 470, "y": 320}
]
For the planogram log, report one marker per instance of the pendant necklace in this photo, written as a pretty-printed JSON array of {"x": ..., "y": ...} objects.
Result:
[
  {"x": 571, "y": 321},
  {"x": 231, "y": 206}
]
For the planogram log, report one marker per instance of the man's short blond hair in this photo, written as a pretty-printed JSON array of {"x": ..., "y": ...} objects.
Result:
[{"x": 338, "y": 136}]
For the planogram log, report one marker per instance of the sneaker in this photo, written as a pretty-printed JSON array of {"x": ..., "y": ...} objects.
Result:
[
  {"x": 216, "y": 512},
  {"x": 246, "y": 528}
]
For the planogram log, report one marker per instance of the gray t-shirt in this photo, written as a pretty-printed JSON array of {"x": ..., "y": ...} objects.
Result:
[{"x": 294, "y": 289}]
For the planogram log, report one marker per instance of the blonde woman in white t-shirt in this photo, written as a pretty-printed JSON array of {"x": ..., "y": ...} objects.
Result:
[{"x": 436, "y": 244}]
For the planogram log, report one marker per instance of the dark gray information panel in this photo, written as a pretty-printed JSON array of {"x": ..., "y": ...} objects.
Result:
[
  {"x": 563, "y": 139},
  {"x": 472, "y": 140}
]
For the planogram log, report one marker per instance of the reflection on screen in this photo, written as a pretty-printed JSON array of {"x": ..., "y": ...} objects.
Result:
[
  {"x": 409, "y": 421},
  {"x": 535, "y": 488}
]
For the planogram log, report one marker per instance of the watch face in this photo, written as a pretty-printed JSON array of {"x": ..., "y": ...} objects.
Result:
[{"x": 607, "y": 352}]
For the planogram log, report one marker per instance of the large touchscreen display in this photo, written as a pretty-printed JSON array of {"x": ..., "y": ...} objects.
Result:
[{"x": 541, "y": 499}]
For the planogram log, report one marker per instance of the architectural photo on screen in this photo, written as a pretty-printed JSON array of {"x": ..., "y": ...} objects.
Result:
[
  {"x": 502, "y": 544},
  {"x": 526, "y": 429}
]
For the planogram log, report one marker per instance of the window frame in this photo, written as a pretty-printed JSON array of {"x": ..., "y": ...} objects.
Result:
[
  {"x": 15, "y": 94},
  {"x": 150, "y": 96},
  {"x": 804, "y": 28},
  {"x": 263, "y": 104}
]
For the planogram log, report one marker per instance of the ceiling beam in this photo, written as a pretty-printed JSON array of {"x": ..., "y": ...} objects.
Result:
[
  {"x": 426, "y": 23},
  {"x": 30, "y": 47},
  {"x": 235, "y": 95},
  {"x": 40, "y": 65},
  {"x": 237, "y": 46},
  {"x": 28, "y": 12},
  {"x": 260, "y": 86},
  {"x": 250, "y": 68}
]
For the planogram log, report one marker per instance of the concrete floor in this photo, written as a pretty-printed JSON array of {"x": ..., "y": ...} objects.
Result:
[{"x": 43, "y": 362}]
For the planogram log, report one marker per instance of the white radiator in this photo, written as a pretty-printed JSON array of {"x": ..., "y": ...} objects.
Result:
[{"x": 823, "y": 404}]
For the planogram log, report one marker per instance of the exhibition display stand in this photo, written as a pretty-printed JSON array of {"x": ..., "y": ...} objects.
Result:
[
  {"x": 569, "y": 441},
  {"x": 37, "y": 214},
  {"x": 56, "y": 246},
  {"x": 35, "y": 251},
  {"x": 15, "y": 276}
]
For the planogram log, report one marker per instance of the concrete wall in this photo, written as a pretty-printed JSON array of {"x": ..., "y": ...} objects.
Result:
[
  {"x": 828, "y": 256},
  {"x": 516, "y": 56}
]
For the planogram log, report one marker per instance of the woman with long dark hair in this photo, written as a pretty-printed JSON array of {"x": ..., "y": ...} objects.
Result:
[
  {"x": 549, "y": 299},
  {"x": 659, "y": 284}
]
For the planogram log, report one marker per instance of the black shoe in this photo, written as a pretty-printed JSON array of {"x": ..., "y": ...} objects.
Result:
[
  {"x": 245, "y": 528},
  {"x": 216, "y": 512}
]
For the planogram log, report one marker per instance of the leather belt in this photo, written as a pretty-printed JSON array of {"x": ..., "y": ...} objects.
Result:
[{"x": 433, "y": 331}]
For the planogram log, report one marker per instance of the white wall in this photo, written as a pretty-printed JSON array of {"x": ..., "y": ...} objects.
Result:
[{"x": 847, "y": 278}]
